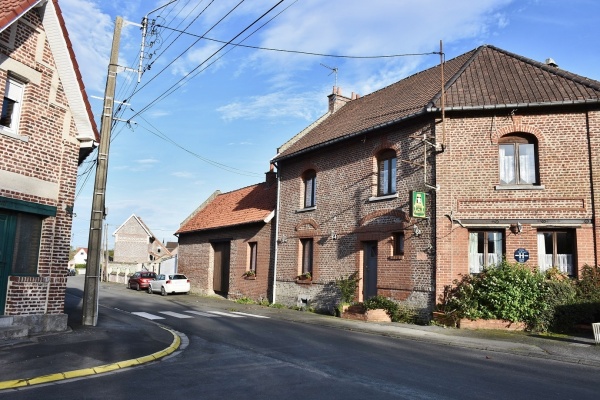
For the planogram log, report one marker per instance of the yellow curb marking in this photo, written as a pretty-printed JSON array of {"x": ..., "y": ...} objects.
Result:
[{"x": 16, "y": 383}]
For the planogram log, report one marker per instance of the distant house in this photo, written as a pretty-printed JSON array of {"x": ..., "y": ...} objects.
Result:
[
  {"x": 46, "y": 131},
  {"x": 80, "y": 257},
  {"x": 135, "y": 243},
  {"x": 226, "y": 245},
  {"x": 413, "y": 186}
]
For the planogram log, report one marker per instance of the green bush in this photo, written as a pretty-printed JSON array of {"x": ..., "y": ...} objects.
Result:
[
  {"x": 347, "y": 287},
  {"x": 588, "y": 287},
  {"x": 511, "y": 292},
  {"x": 80, "y": 266},
  {"x": 558, "y": 294}
]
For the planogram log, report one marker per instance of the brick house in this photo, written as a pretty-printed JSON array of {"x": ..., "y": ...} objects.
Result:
[
  {"x": 228, "y": 237},
  {"x": 46, "y": 131},
  {"x": 135, "y": 243},
  {"x": 502, "y": 165}
]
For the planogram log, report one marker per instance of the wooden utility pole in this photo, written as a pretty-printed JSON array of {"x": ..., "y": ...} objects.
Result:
[{"x": 92, "y": 276}]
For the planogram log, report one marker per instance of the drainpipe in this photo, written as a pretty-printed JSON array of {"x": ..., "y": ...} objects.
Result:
[{"x": 276, "y": 234}]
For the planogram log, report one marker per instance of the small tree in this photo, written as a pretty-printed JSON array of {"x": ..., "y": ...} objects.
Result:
[{"x": 348, "y": 287}]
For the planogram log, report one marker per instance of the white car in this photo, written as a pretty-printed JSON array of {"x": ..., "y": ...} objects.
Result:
[{"x": 165, "y": 284}]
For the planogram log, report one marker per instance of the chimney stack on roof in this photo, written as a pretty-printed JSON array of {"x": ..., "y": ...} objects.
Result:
[
  {"x": 271, "y": 176},
  {"x": 336, "y": 100}
]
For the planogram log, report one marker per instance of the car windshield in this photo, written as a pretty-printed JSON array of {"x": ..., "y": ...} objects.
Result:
[{"x": 178, "y": 277}]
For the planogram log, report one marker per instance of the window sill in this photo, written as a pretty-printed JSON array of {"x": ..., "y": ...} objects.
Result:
[
  {"x": 306, "y": 209},
  {"x": 13, "y": 135},
  {"x": 382, "y": 198},
  {"x": 398, "y": 257},
  {"x": 519, "y": 187}
]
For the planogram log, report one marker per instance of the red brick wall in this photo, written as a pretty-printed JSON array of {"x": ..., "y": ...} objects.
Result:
[
  {"x": 49, "y": 155},
  {"x": 346, "y": 179},
  {"x": 196, "y": 260},
  {"x": 468, "y": 172}
]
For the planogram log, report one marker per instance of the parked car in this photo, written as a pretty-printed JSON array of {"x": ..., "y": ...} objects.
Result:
[
  {"x": 72, "y": 272},
  {"x": 140, "y": 280},
  {"x": 166, "y": 284}
]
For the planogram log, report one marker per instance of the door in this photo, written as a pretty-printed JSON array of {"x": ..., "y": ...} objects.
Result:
[
  {"x": 6, "y": 245},
  {"x": 221, "y": 267},
  {"x": 370, "y": 270}
]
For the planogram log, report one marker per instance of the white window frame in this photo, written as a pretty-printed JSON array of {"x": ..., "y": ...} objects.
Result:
[
  {"x": 14, "y": 91},
  {"x": 478, "y": 261}
]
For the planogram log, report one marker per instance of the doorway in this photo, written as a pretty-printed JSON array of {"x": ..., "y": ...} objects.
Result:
[
  {"x": 221, "y": 267},
  {"x": 369, "y": 270}
]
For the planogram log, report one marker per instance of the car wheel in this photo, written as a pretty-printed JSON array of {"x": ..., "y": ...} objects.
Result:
[
  {"x": 163, "y": 291},
  {"x": 149, "y": 289},
  {"x": 128, "y": 285},
  {"x": 137, "y": 287}
]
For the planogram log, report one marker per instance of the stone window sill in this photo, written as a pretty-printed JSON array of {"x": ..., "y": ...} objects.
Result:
[
  {"x": 383, "y": 198},
  {"x": 519, "y": 187}
]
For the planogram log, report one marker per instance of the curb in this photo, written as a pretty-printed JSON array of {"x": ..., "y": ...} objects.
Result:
[{"x": 18, "y": 383}]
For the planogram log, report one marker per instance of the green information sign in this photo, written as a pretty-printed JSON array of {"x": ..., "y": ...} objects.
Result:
[{"x": 417, "y": 205}]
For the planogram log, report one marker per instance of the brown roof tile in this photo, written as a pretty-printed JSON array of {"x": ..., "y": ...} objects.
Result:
[
  {"x": 484, "y": 77},
  {"x": 243, "y": 206},
  {"x": 11, "y": 10}
]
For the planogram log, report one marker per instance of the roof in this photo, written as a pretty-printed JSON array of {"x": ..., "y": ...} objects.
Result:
[
  {"x": 251, "y": 204},
  {"x": 486, "y": 77},
  {"x": 66, "y": 64}
]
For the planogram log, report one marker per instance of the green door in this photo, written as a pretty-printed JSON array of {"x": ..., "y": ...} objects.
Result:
[{"x": 7, "y": 226}]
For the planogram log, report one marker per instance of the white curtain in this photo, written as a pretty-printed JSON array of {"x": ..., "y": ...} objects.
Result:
[
  {"x": 542, "y": 260},
  {"x": 507, "y": 164},
  {"x": 527, "y": 163},
  {"x": 565, "y": 263},
  {"x": 475, "y": 259},
  {"x": 496, "y": 256}
]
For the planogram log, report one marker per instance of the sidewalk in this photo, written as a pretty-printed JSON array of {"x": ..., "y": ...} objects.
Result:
[{"x": 84, "y": 351}]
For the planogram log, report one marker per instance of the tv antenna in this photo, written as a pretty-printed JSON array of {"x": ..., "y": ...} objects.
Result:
[{"x": 334, "y": 70}]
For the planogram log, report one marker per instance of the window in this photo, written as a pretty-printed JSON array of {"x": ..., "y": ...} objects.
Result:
[
  {"x": 517, "y": 156},
  {"x": 310, "y": 188},
  {"x": 252, "y": 247},
  {"x": 556, "y": 249},
  {"x": 11, "y": 106},
  {"x": 485, "y": 249},
  {"x": 398, "y": 248},
  {"x": 306, "y": 246},
  {"x": 386, "y": 173},
  {"x": 26, "y": 248}
]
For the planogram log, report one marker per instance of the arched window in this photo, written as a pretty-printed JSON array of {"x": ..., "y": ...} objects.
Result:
[
  {"x": 310, "y": 188},
  {"x": 386, "y": 173},
  {"x": 518, "y": 160}
]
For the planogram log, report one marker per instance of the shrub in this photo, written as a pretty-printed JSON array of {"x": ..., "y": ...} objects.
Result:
[
  {"x": 588, "y": 287},
  {"x": 347, "y": 287}
]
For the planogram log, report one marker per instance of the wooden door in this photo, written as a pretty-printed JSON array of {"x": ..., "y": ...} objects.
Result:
[
  {"x": 221, "y": 267},
  {"x": 370, "y": 270}
]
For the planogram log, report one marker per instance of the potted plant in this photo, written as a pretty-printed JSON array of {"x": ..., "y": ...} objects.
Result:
[{"x": 249, "y": 275}]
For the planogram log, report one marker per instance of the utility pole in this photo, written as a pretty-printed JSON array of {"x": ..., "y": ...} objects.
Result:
[{"x": 92, "y": 276}]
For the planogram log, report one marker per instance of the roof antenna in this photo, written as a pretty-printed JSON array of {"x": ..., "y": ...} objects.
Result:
[{"x": 334, "y": 70}]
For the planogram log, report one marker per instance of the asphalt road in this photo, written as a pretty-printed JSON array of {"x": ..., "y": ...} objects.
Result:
[{"x": 244, "y": 357}]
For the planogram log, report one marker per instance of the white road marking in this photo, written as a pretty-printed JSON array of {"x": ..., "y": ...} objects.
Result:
[
  {"x": 147, "y": 315},
  {"x": 204, "y": 314},
  {"x": 249, "y": 315},
  {"x": 175, "y": 314},
  {"x": 226, "y": 314}
]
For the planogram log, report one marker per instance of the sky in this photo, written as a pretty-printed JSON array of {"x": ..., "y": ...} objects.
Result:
[{"x": 209, "y": 116}]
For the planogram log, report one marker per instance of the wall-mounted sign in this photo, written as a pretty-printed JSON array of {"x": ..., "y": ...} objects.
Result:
[
  {"x": 417, "y": 205},
  {"x": 521, "y": 255}
]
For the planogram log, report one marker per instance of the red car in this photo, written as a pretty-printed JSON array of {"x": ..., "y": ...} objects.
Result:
[{"x": 140, "y": 280}]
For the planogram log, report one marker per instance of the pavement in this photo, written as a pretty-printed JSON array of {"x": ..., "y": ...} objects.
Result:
[{"x": 119, "y": 341}]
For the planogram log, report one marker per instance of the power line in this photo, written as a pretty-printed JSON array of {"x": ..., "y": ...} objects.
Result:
[{"x": 301, "y": 52}]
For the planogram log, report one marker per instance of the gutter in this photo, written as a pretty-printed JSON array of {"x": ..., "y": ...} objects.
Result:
[{"x": 515, "y": 105}]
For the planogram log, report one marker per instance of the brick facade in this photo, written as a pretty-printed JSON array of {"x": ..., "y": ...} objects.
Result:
[{"x": 38, "y": 165}]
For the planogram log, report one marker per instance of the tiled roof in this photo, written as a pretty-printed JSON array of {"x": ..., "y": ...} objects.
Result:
[
  {"x": 486, "y": 77},
  {"x": 11, "y": 10},
  {"x": 243, "y": 206}
]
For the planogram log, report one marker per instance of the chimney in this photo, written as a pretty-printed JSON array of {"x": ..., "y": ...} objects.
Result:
[
  {"x": 271, "y": 176},
  {"x": 336, "y": 100}
]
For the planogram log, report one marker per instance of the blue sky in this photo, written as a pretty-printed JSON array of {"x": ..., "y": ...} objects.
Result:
[{"x": 225, "y": 116}]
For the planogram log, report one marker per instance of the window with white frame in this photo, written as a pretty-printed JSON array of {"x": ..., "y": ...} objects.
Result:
[
  {"x": 556, "y": 249},
  {"x": 485, "y": 249},
  {"x": 386, "y": 173},
  {"x": 11, "y": 106},
  {"x": 518, "y": 160},
  {"x": 310, "y": 188}
]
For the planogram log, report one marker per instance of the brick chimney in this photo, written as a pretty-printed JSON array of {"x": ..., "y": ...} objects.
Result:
[
  {"x": 336, "y": 100},
  {"x": 271, "y": 176}
]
